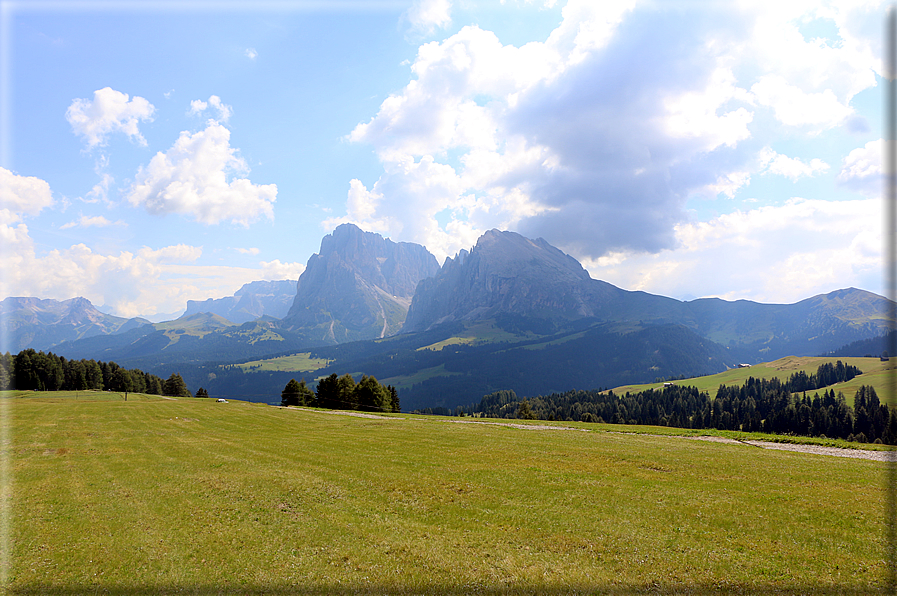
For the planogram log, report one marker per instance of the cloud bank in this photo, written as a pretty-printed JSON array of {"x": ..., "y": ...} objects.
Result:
[{"x": 596, "y": 137}]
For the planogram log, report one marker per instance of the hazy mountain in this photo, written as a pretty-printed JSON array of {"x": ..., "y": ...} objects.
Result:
[
  {"x": 43, "y": 323},
  {"x": 359, "y": 286},
  {"x": 192, "y": 338},
  {"x": 253, "y": 300}
]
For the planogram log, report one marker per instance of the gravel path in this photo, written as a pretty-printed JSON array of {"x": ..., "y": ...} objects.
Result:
[{"x": 814, "y": 449}]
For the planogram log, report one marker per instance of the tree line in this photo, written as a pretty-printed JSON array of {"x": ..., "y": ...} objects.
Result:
[
  {"x": 342, "y": 393},
  {"x": 37, "y": 371},
  {"x": 759, "y": 405}
]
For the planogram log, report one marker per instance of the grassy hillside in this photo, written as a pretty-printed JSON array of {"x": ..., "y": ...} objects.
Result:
[
  {"x": 191, "y": 496},
  {"x": 876, "y": 373}
]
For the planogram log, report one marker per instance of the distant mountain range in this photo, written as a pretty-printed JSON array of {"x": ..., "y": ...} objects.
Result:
[
  {"x": 510, "y": 313},
  {"x": 253, "y": 300},
  {"x": 32, "y": 322}
]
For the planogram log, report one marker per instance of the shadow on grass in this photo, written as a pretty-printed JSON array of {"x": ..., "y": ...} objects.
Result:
[{"x": 550, "y": 590}]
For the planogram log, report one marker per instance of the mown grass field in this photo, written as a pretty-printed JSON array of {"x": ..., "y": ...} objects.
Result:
[
  {"x": 875, "y": 374},
  {"x": 302, "y": 362},
  {"x": 194, "y": 497}
]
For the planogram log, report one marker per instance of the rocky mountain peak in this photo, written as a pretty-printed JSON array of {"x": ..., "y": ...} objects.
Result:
[
  {"x": 507, "y": 273},
  {"x": 358, "y": 286}
]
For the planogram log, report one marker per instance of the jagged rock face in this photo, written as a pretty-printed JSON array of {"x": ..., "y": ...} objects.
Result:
[
  {"x": 507, "y": 273},
  {"x": 255, "y": 299},
  {"x": 42, "y": 323},
  {"x": 358, "y": 287}
]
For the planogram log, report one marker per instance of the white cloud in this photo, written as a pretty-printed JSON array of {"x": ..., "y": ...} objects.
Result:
[
  {"x": 100, "y": 190},
  {"x": 251, "y": 53},
  {"x": 595, "y": 137},
  {"x": 861, "y": 170},
  {"x": 223, "y": 111},
  {"x": 795, "y": 107},
  {"x": 812, "y": 246},
  {"x": 23, "y": 195},
  {"x": 144, "y": 282},
  {"x": 425, "y": 16},
  {"x": 91, "y": 222},
  {"x": 275, "y": 270},
  {"x": 248, "y": 251},
  {"x": 110, "y": 111},
  {"x": 789, "y": 167},
  {"x": 192, "y": 178}
]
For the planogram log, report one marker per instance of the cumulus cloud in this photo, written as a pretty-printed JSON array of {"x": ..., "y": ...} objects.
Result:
[
  {"x": 110, "y": 111},
  {"x": 248, "y": 251},
  {"x": 794, "y": 106},
  {"x": 23, "y": 195},
  {"x": 143, "y": 282},
  {"x": 251, "y": 53},
  {"x": 196, "y": 177},
  {"x": 222, "y": 110},
  {"x": 425, "y": 16},
  {"x": 789, "y": 167},
  {"x": 595, "y": 137},
  {"x": 814, "y": 247},
  {"x": 91, "y": 222},
  {"x": 275, "y": 270},
  {"x": 861, "y": 170}
]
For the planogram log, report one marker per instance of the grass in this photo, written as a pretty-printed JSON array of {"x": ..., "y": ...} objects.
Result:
[
  {"x": 194, "y": 497},
  {"x": 476, "y": 333},
  {"x": 875, "y": 374},
  {"x": 407, "y": 381},
  {"x": 297, "y": 362}
]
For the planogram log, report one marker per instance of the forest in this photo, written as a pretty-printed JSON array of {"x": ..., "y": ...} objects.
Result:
[
  {"x": 36, "y": 371},
  {"x": 760, "y": 405}
]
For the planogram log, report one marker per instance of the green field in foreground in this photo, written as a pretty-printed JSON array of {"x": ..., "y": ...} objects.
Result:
[
  {"x": 875, "y": 373},
  {"x": 194, "y": 497}
]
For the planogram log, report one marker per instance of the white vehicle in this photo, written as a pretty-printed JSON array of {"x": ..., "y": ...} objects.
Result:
[{"x": 221, "y": 401}]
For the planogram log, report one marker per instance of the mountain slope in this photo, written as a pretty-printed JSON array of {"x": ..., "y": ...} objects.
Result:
[
  {"x": 358, "y": 286},
  {"x": 43, "y": 323}
]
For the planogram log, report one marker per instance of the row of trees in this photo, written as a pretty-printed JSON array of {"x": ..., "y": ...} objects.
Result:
[
  {"x": 37, "y": 371},
  {"x": 826, "y": 375},
  {"x": 760, "y": 405},
  {"x": 342, "y": 393}
]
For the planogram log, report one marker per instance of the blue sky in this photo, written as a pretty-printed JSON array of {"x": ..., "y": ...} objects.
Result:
[{"x": 158, "y": 152}]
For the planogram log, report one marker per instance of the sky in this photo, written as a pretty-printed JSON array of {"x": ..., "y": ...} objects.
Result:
[{"x": 154, "y": 152}]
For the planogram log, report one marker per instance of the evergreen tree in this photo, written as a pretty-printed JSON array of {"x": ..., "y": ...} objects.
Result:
[
  {"x": 371, "y": 395},
  {"x": 201, "y": 393},
  {"x": 175, "y": 386},
  {"x": 297, "y": 394},
  {"x": 394, "y": 398}
]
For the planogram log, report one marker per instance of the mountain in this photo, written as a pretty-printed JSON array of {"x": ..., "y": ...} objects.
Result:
[
  {"x": 253, "y": 300},
  {"x": 198, "y": 337},
  {"x": 359, "y": 286},
  {"x": 43, "y": 323},
  {"x": 508, "y": 277},
  {"x": 511, "y": 313}
]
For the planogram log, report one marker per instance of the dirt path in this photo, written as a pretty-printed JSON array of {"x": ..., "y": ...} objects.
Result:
[{"x": 813, "y": 449}]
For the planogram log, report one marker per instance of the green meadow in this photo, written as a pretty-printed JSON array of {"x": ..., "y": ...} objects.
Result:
[
  {"x": 875, "y": 374},
  {"x": 188, "y": 496}
]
